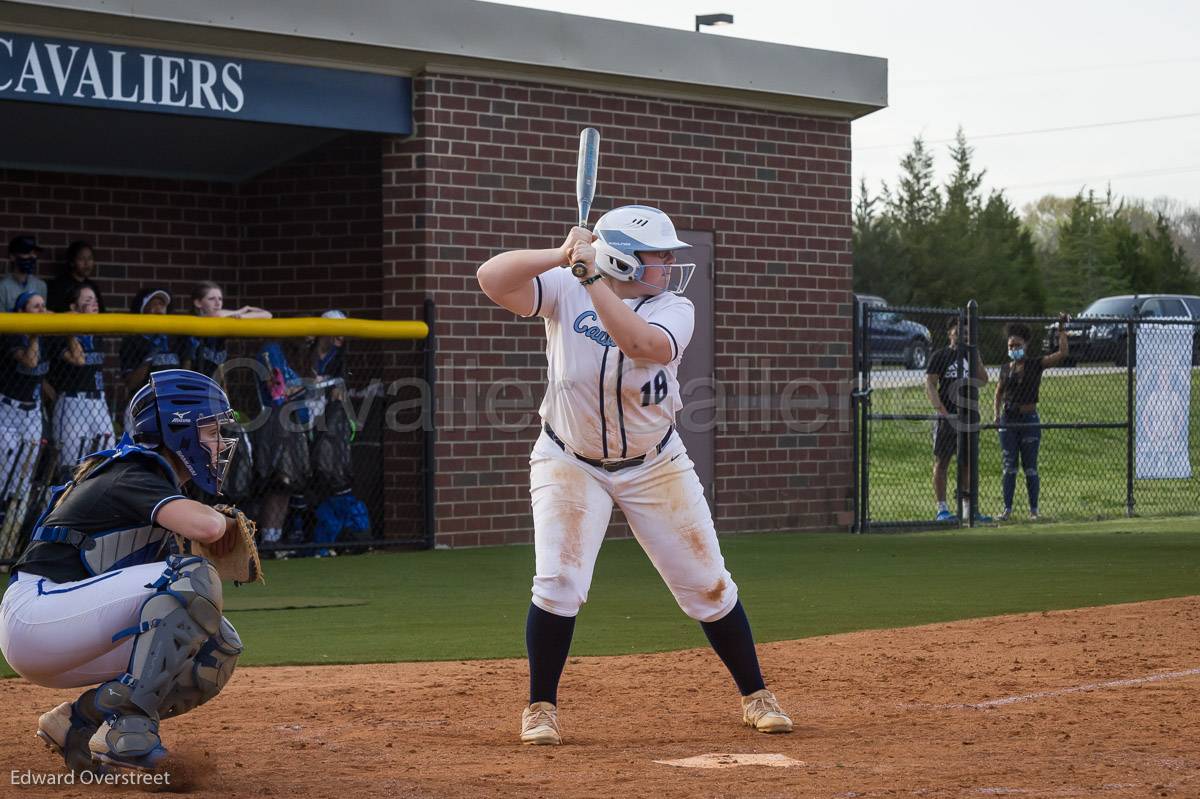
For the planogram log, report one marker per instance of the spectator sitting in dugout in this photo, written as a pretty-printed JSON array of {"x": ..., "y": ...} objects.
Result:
[
  {"x": 81, "y": 422},
  {"x": 150, "y": 352},
  {"x": 207, "y": 355},
  {"x": 77, "y": 270}
]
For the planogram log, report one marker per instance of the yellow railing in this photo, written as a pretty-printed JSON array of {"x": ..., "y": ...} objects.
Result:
[{"x": 213, "y": 327}]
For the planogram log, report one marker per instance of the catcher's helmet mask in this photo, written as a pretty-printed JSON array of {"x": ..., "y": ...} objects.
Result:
[
  {"x": 184, "y": 412},
  {"x": 625, "y": 233}
]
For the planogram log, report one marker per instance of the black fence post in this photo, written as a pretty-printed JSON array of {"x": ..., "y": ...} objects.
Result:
[
  {"x": 864, "y": 403},
  {"x": 1130, "y": 412},
  {"x": 972, "y": 426},
  {"x": 855, "y": 376},
  {"x": 428, "y": 425}
]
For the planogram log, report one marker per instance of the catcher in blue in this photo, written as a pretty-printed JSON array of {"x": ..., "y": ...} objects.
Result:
[
  {"x": 100, "y": 599},
  {"x": 617, "y": 326}
]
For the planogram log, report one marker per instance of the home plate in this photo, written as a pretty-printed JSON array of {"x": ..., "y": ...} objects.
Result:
[{"x": 720, "y": 760}]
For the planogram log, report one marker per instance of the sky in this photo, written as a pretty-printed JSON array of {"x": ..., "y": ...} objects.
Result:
[{"x": 1123, "y": 79}]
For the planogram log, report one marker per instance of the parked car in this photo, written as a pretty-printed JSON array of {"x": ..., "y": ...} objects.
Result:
[
  {"x": 892, "y": 338},
  {"x": 1108, "y": 340}
]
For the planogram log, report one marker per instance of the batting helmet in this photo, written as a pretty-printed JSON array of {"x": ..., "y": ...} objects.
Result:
[
  {"x": 631, "y": 229},
  {"x": 173, "y": 411}
]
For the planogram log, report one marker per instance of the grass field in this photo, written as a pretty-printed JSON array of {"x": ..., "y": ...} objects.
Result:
[
  {"x": 1082, "y": 471},
  {"x": 465, "y": 604}
]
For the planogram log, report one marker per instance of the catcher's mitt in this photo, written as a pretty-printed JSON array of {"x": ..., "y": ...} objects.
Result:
[{"x": 240, "y": 564}]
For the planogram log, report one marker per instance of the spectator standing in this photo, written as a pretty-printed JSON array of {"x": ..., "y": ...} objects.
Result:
[
  {"x": 208, "y": 355},
  {"x": 78, "y": 267},
  {"x": 950, "y": 386},
  {"x": 21, "y": 279},
  {"x": 23, "y": 367},
  {"x": 80, "y": 421},
  {"x": 1016, "y": 403},
  {"x": 151, "y": 352}
]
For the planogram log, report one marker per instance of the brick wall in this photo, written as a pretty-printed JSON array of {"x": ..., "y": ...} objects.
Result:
[
  {"x": 498, "y": 173},
  {"x": 145, "y": 231},
  {"x": 312, "y": 231}
]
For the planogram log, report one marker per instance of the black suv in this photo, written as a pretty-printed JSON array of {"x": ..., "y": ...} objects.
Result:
[
  {"x": 1108, "y": 341},
  {"x": 893, "y": 339}
]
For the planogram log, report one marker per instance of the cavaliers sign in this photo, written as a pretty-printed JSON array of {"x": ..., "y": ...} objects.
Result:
[{"x": 41, "y": 70}]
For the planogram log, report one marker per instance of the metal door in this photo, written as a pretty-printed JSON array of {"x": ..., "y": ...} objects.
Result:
[{"x": 697, "y": 421}]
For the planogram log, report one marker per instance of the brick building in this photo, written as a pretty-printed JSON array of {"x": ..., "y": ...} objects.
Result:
[{"x": 465, "y": 146}]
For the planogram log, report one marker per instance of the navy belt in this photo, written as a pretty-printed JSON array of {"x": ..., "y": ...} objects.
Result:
[
  {"x": 16, "y": 403},
  {"x": 611, "y": 466}
]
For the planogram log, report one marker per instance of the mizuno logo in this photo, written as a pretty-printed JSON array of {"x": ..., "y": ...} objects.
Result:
[
  {"x": 181, "y": 417},
  {"x": 113, "y": 693}
]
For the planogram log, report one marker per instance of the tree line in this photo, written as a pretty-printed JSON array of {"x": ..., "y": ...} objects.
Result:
[{"x": 921, "y": 243}]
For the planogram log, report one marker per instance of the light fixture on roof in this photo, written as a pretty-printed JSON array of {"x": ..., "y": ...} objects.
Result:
[{"x": 713, "y": 20}]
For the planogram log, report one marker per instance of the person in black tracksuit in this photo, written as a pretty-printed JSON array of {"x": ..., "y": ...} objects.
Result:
[{"x": 949, "y": 385}]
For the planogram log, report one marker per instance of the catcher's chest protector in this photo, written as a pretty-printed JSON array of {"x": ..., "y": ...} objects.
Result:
[{"x": 108, "y": 550}]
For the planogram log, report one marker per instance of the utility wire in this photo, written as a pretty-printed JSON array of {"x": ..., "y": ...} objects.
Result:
[
  {"x": 1038, "y": 131},
  {"x": 1148, "y": 173}
]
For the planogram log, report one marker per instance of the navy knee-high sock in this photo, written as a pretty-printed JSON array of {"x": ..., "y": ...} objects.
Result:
[
  {"x": 734, "y": 644},
  {"x": 547, "y": 640}
]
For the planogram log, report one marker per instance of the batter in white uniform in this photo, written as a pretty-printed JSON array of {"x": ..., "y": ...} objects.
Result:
[{"x": 616, "y": 329}]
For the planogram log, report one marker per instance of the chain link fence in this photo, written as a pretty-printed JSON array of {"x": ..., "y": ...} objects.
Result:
[
  {"x": 1109, "y": 428},
  {"x": 325, "y": 424}
]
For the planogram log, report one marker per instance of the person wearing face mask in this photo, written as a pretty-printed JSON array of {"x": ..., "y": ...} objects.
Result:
[
  {"x": 23, "y": 367},
  {"x": 143, "y": 354},
  {"x": 81, "y": 421},
  {"x": 1016, "y": 404},
  {"x": 78, "y": 267},
  {"x": 23, "y": 254}
]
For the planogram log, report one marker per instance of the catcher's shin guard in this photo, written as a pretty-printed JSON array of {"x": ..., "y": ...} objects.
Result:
[
  {"x": 176, "y": 624},
  {"x": 207, "y": 674}
]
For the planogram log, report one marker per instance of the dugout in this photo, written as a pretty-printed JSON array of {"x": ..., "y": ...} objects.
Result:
[{"x": 368, "y": 156}]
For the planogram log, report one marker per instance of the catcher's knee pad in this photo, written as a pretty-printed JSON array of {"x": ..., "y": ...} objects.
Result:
[
  {"x": 206, "y": 675},
  {"x": 175, "y": 624}
]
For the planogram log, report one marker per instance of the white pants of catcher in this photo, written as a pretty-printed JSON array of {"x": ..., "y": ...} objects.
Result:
[
  {"x": 60, "y": 635},
  {"x": 662, "y": 500},
  {"x": 82, "y": 426}
]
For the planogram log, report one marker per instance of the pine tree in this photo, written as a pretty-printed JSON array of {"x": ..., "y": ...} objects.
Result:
[
  {"x": 875, "y": 252},
  {"x": 1084, "y": 266},
  {"x": 1174, "y": 275},
  {"x": 912, "y": 213}
]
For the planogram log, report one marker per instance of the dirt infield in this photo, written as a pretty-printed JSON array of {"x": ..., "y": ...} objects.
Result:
[{"x": 1095, "y": 702}]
